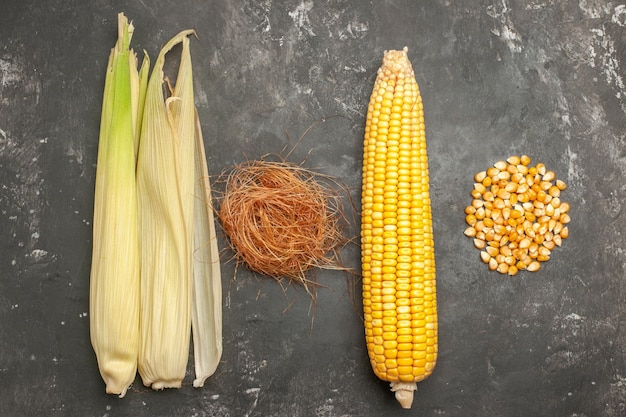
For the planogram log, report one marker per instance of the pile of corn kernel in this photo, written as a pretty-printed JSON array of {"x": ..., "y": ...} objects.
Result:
[{"x": 516, "y": 217}]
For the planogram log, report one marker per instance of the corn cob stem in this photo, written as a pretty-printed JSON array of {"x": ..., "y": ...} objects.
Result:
[
  {"x": 397, "y": 250},
  {"x": 404, "y": 392}
]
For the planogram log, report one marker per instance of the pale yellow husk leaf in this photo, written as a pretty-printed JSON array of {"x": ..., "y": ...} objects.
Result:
[{"x": 206, "y": 315}]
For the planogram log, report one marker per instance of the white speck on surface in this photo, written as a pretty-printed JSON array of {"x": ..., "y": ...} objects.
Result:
[
  {"x": 304, "y": 89},
  {"x": 300, "y": 17},
  {"x": 511, "y": 38},
  {"x": 254, "y": 392},
  {"x": 619, "y": 15},
  {"x": 505, "y": 29},
  {"x": 535, "y": 6},
  {"x": 75, "y": 153},
  {"x": 574, "y": 176},
  {"x": 358, "y": 30},
  {"x": 591, "y": 52},
  {"x": 39, "y": 254},
  {"x": 602, "y": 53},
  {"x": 358, "y": 69},
  {"x": 592, "y": 11},
  {"x": 349, "y": 107},
  {"x": 10, "y": 73},
  {"x": 202, "y": 98},
  {"x": 325, "y": 409}
]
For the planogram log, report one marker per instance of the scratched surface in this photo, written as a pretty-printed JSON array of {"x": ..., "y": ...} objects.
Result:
[{"x": 498, "y": 77}]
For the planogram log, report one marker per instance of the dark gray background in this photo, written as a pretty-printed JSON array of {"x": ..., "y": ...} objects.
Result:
[{"x": 498, "y": 77}]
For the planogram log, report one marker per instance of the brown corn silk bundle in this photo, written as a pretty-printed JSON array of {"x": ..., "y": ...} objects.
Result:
[{"x": 282, "y": 219}]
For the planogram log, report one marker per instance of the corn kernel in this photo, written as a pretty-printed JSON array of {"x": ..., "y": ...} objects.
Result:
[{"x": 517, "y": 219}]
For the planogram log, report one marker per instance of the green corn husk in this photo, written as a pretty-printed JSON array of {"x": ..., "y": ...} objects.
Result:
[{"x": 114, "y": 280}]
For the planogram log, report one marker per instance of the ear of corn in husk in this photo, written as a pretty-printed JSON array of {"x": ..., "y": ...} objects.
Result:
[
  {"x": 165, "y": 181},
  {"x": 155, "y": 271},
  {"x": 114, "y": 281}
]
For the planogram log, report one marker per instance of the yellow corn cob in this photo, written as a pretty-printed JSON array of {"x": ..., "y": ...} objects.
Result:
[{"x": 397, "y": 250}]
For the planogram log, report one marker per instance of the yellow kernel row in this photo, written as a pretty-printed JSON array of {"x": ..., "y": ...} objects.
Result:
[{"x": 516, "y": 216}]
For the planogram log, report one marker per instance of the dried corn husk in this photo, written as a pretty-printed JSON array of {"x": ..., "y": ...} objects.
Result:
[
  {"x": 165, "y": 181},
  {"x": 181, "y": 282},
  {"x": 206, "y": 317}
]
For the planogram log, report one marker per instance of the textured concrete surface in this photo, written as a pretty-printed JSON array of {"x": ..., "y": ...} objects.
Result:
[{"x": 498, "y": 77}]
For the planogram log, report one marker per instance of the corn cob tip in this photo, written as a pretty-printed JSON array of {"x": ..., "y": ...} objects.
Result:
[
  {"x": 396, "y": 62},
  {"x": 404, "y": 392},
  {"x": 403, "y": 51}
]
